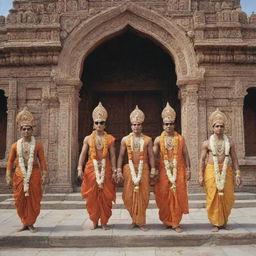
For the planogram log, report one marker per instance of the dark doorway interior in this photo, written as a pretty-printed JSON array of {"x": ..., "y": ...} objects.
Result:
[
  {"x": 3, "y": 123},
  {"x": 123, "y": 72},
  {"x": 250, "y": 122}
]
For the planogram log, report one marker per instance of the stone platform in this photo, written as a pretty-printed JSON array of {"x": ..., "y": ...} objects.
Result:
[{"x": 69, "y": 228}]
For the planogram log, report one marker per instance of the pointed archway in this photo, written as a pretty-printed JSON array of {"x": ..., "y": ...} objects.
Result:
[{"x": 86, "y": 37}]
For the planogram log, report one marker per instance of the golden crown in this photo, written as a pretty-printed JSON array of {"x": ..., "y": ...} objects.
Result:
[
  {"x": 99, "y": 113},
  {"x": 25, "y": 118},
  {"x": 137, "y": 116},
  {"x": 168, "y": 114},
  {"x": 216, "y": 117}
]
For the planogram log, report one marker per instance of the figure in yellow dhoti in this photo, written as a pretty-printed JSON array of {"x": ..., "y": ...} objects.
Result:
[
  {"x": 216, "y": 173},
  {"x": 136, "y": 172},
  {"x": 26, "y": 154},
  {"x": 174, "y": 171},
  {"x": 98, "y": 187}
]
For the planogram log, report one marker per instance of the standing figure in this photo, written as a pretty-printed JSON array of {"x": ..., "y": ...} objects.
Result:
[
  {"x": 27, "y": 155},
  {"x": 174, "y": 172},
  {"x": 136, "y": 173},
  {"x": 216, "y": 174},
  {"x": 98, "y": 187}
]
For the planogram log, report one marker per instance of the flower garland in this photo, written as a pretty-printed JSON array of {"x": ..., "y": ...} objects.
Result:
[
  {"x": 220, "y": 178},
  {"x": 99, "y": 164},
  {"x": 136, "y": 178},
  {"x": 170, "y": 167},
  {"x": 26, "y": 173}
]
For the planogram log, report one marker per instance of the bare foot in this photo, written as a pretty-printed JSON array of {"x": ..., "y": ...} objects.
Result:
[
  {"x": 178, "y": 229},
  {"x": 105, "y": 227},
  {"x": 32, "y": 229},
  {"x": 143, "y": 228},
  {"x": 22, "y": 229},
  {"x": 227, "y": 227},
  {"x": 133, "y": 225},
  {"x": 215, "y": 229},
  {"x": 94, "y": 226}
]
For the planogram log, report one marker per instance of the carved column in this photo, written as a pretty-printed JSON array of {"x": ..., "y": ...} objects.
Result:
[
  {"x": 11, "y": 117},
  {"x": 238, "y": 126},
  {"x": 190, "y": 125},
  {"x": 67, "y": 134}
]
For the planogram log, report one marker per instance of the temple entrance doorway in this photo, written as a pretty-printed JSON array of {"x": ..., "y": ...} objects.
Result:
[{"x": 128, "y": 70}]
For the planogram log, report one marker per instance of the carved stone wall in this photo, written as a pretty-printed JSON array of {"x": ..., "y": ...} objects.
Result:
[{"x": 43, "y": 45}]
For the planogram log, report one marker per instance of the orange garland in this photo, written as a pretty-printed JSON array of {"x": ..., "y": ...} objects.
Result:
[
  {"x": 93, "y": 152},
  {"x": 129, "y": 148},
  {"x": 175, "y": 146}
]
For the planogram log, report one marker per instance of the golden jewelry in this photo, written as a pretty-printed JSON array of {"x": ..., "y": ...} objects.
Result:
[
  {"x": 168, "y": 114},
  {"x": 238, "y": 173}
]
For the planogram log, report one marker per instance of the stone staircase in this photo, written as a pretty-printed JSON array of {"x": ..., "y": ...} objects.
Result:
[{"x": 75, "y": 201}]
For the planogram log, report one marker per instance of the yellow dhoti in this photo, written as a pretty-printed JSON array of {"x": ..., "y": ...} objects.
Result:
[{"x": 218, "y": 206}]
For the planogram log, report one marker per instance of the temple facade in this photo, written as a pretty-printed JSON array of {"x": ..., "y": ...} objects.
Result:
[{"x": 61, "y": 57}]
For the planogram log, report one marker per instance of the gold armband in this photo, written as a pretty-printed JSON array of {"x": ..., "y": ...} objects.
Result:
[{"x": 238, "y": 173}]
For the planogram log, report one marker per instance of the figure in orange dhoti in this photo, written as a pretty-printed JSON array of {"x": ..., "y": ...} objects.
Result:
[
  {"x": 136, "y": 172},
  {"x": 28, "y": 175},
  {"x": 174, "y": 171},
  {"x": 216, "y": 174},
  {"x": 98, "y": 187}
]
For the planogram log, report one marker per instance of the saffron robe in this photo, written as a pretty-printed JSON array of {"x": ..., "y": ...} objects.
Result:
[
  {"x": 218, "y": 207},
  {"x": 137, "y": 202},
  {"x": 99, "y": 201},
  {"x": 28, "y": 208},
  {"x": 172, "y": 205}
]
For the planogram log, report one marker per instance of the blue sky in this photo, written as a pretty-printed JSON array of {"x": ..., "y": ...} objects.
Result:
[{"x": 247, "y": 5}]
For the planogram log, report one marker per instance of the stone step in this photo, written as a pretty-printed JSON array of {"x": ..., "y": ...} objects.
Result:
[
  {"x": 68, "y": 204},
  {"x": 77, "y": 196},
  {"x": 69, "y": 228}
]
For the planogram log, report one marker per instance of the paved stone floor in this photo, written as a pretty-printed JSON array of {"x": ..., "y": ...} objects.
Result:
[
  {"x": 69, "y": 228},
  {"x": 239, "y": 250}
]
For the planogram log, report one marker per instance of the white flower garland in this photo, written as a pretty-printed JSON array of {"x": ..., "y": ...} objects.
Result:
[
  {"x": 100, "y": 176},
  {"x": 137, "y": 177},
  {"x": 220, "y": 178},
  {"x": 26, "y": 172}
]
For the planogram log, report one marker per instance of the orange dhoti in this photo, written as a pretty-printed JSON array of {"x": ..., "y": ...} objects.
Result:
[
  {"x": 136, "y": 202},
  {"x": 28, "y": 207},
  {"x": 218, "y": 206},
  {"x": 98, "y": 201},
  {"x": 172, "y": 205}
]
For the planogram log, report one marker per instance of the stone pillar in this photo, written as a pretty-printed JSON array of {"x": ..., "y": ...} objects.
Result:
[
  {"x": 238, "y": 126},
  {"x": 11, "y": 115},
  {"x": 190, "y": 125},
  {"x": 67, "y": 134}
]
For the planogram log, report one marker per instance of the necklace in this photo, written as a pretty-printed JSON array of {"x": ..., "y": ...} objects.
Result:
[
  {"x": 99, "y": 165},
  {"x": 169, "y": 142},
  {"x": 170, "y": 166},
  {"x": 136, "y": 177},
  {"x": 99, "y": 142},
  {"x": 26, "y": 173},
  {"x": 220, "y": 178}
]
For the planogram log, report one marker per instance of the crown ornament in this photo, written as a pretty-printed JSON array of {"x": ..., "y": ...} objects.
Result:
[
  {"x": 137, "y": 116},
  {"x": 217, "y": 117},
  {"x": 25, "y": 118},
  {"x": 99, "y": 113},
  {"x": 168, "y": 114}
]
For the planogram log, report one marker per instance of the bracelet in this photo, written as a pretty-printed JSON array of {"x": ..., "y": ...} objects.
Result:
[
  {"x": 119, "y": 169},
  {"x": 238, "y": 173},
  {"x": 79, "y": 168}
]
